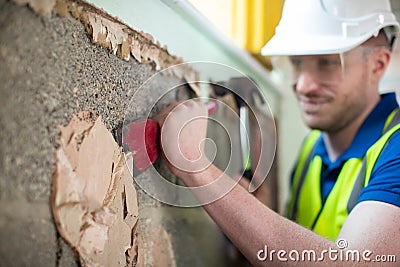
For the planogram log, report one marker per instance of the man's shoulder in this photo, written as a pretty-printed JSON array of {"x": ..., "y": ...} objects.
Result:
[
  {"x": 384, "y": 182},
  {"x": 390, "y": 151}
]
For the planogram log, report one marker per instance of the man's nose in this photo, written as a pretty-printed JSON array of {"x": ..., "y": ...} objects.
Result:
[{"x": 306, "y": 83}]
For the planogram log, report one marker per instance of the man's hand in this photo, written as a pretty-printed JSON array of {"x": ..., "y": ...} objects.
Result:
[{"x": 183, "y": 132}]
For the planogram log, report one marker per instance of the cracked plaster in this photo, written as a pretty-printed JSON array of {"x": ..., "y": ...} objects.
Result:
[{"x": 94, "y": 202}]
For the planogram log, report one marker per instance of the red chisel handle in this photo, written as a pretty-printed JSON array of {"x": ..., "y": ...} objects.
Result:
[{"x": 146, "y": 153}]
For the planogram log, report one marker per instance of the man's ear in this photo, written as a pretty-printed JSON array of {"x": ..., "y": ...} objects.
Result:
[{"x": 380, "y": 59}]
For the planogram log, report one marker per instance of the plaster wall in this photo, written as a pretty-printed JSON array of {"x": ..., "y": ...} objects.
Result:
[{"x": 49, "y": 71}]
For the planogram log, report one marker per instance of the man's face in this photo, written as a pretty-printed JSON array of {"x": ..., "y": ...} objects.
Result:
[{"x": 331, "y": 89}]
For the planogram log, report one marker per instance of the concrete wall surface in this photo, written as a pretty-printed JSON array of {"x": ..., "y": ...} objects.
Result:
[{"x": 51, "y": 69}]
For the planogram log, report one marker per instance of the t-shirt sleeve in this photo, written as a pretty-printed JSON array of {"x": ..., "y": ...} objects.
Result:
[{"x": 384, "y": 183}]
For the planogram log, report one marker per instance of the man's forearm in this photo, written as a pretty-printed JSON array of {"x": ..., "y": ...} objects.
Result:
[{"x": 251, "y": 225}]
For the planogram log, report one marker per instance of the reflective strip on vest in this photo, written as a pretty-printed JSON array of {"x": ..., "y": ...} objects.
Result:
[
  {"x": 304, "y": 160},
  {"x": 306, "y": 207}
]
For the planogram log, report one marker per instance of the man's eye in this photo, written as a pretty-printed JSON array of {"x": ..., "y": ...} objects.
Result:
[
  {"x": 325, "y": 62},
  {"x": 295, "y": 62}
]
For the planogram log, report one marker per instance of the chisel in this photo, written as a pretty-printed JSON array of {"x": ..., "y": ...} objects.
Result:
[{"x": 142, "y": 138}]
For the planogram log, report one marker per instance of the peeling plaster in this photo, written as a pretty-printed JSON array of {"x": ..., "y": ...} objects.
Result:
[
  {"x": 111, "y": 33},
  {"x": 94, "y": 202}
]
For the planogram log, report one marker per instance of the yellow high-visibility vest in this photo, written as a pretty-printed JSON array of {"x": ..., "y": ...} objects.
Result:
[{"x": 305, "y": 206}]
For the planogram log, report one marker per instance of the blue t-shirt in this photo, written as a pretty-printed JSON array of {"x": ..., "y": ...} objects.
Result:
[{"x": 384, "y": 183}]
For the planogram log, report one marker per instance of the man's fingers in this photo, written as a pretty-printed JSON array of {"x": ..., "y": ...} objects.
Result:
[{"x": 160, "y": 117}]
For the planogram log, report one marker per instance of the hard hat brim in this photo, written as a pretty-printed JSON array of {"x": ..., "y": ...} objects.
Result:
[{"x": 310, "y": 45}]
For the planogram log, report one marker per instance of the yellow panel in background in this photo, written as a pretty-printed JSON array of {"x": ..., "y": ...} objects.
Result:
[
  {"x": 254, "y": 22},
  {"x": 249, "y": 23}
]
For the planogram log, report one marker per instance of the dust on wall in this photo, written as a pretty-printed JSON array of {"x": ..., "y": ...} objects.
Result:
[{"x": 49, "y": 71}]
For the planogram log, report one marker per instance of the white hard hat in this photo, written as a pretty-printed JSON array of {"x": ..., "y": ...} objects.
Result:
[{"x": 312, "y": 27}]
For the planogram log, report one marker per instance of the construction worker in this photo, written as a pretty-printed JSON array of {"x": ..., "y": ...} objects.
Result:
[{"x": 346, "y": 183}]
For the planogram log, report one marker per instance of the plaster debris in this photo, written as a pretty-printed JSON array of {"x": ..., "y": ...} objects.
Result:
[
  {"x": 94, "y": 202},
  {"x": 107, "y": 33},
  {"x": 127, "y": 43}
]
